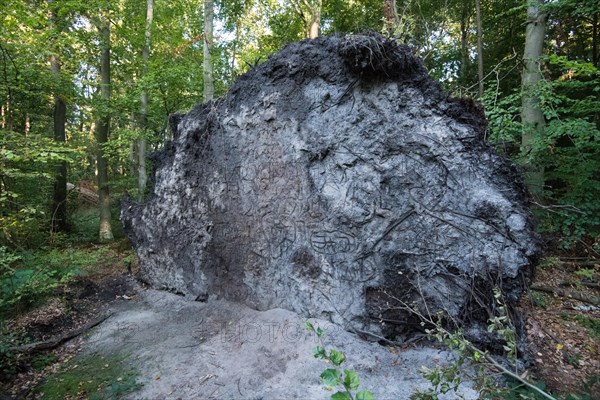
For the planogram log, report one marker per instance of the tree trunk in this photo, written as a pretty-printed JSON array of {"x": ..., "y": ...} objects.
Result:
[
  {"x": 595, "y": 60},
  {"x": 102, "y": 130},
  {"x": 9, "y": 119},
  {"x": 464, "y": 44},
  {"x": 142, "y": 174},
  {"x": 59, "y": 205},
  {"x": 390, "y": 13},
  {"x": 532, "y": 116},
  {"x": 314, "y": 18},
  {"x": 59, "y": 217},
  {"x": 209, "y": 83},
  {"x": 479, "y": 48}
]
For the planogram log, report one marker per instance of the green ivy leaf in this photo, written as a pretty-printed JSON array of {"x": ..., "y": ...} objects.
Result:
[
  {"x": 319, "y": 352},
  {"x": 351, "y": 381},
  {"x": 309, "y": 326},
  {"x": 331, "y": 377},
  {"x": 341, "y": 396},
  {"x": 336, "y": 357},
  {"x": 364, "y": 395},
  {"x": 320, "y": 332}
]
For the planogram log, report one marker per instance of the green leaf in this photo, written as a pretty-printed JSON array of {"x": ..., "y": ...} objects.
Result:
[
  {"x": 319, "y": 352},
  {"x": 309, "y": 326},
  {"x": 336, "y": 357},
  {"x": 341, "y": 396},
  {"x": 351, "y": 381},
  {"x": 331, "y": 377},
  {"x": 364, "y": 395},
  {"x": 320, "y": 332}
]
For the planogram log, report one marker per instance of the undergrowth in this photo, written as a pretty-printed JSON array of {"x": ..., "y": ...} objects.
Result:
[{"x": 93, "y": 377}]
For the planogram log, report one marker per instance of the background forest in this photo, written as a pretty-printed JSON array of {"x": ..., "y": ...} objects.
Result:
[{"x": 86, "y": 89}]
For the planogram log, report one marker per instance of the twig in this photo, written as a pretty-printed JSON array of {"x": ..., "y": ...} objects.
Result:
[{"x": 485, "y": 355}]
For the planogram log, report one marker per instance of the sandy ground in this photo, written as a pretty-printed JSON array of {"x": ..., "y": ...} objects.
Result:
[{"x": 224, "y": 350}]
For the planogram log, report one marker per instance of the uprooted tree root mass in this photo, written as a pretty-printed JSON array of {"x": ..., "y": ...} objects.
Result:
[{"x": 332, "y": 180}]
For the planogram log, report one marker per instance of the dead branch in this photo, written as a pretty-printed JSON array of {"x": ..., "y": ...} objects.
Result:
[
  {"x": 60, "y": 339},
  {"x": 85, "y": 194},
  {"x": 570, "y": 294},
  {"x": 586, "y": 284}
]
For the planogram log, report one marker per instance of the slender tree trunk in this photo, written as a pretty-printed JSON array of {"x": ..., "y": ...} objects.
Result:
[
  {"x": 479, "y": 47},
  {"x": 532, "y": 116},
  {"x": 142, "y": 143},
  {"x": 9, "y": 119},
  {"x": 59, "y": 217},
  {"x": 234, "y": 50},
  {"x": 27, "y": 125},
  {"x": 6, "y": 108},
  {"x": 209, "y": 82},
  {"x": 314, "y": 21},
  {"x": 390, "y": 14},
  {"x": 464, "y": 43},
  {"x": 102, "y": 131},
  {"x": 595, "y": 60}
]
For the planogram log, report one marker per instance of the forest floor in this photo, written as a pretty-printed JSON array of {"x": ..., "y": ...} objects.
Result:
[
  {"x": 565, "y": 332},
  {"x": 159, "y": 345}
]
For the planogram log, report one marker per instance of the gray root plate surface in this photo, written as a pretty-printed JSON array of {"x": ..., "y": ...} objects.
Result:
[{"x": 338, "y": 181}]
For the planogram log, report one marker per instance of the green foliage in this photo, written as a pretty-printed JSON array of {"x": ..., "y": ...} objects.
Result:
[
  {"x": 85, "y": 223},
  {"x": 515, "y": 390},
  {"x": 347, "y": 380},
  {"x": 585, "y": 273},
  {"x": 42, "y": 361},
  {"x": 94, "y": 377},
  {"x": 569, "y": 151},
  {"x": 27, "y": 279},
  {"x": 539, "y": 299},
  {"x": 23, "y": 288},
  {"x": 9, "y": 360},
  {"x": 502, "y": 325},
  {"x": 26, "y": 184},
  {"x": 446, "y": 378},
  {"x": 591, "y": 324}
]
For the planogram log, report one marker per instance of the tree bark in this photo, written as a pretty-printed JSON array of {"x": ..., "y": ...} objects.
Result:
[
  {"x": 595, "y": 59},
  {"x": 59, "y": 217},
  {"x": 464, "y": 43},
  {"x": 9, "y": 117},
  {"x": 390, "y": 13},
  {"x": 479, "y": 47},
  {"x": 209, "y": 82},
  {"x": 102, "y": 131},
  {"x": 532, "y": 116},
  {"x": 314, "y": 10},
  {"x": 142, "y": 143}
]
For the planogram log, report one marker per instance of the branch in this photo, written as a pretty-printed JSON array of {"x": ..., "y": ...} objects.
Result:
[
  {"x": 60, "y": 339},
  {"x": 510, "y": 373},
  {"x": 570, "y": 294},
  {"x": 473, "y": 348}
]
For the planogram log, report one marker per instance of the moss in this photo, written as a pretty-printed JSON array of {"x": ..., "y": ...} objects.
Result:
[{"x": 93, "y": 377}]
